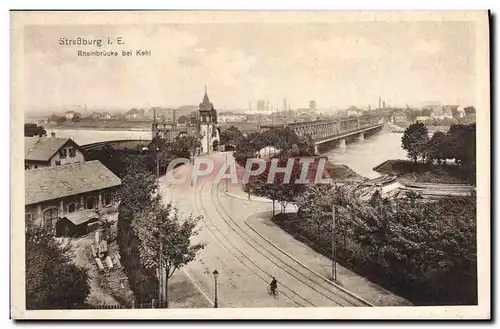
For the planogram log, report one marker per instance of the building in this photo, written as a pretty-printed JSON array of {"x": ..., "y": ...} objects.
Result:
[
  {"x": 353, "y": 111},
  {"x": 106, "y": 116},
  {"x": 66, "y": 198},
  {"x": 40, "y": 152},
  {"x": 163, "y": 115},
  {"x": 95, "y": 115},
  {"x": 443, "y": 112},
  {"x": 450, "y": 111},
  {"x": 312, "y": 106},
  {"x": 135, "y": 114},
  {"x": 422, "y": 118},
  {"x": 206, "y": 125},
  {"x": 69, "y": 114},
  {"x": 285, "y": 105},
  {"x": 399, "y": 117},
  {"x": 261, "y": 105},
  {"x": 231, "y": 117}
]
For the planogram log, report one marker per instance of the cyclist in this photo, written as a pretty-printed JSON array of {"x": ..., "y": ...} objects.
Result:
[{"x": 274, "y": 285}]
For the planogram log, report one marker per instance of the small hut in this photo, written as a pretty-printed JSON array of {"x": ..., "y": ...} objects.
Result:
[{"x": 77, "y": 223}]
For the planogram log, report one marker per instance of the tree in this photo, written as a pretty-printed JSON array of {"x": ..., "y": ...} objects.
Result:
[
  {"x": 246, "y": 148},
  {"x": 470, "y": 110},
  {"x": 183, "y": 119},
  {"x": 426, "y": 112},
  {"x": 163, "y": 224},
  {"x": 414, "y": 141},
  {"x": 77, "y": 117},
  {"x": 53, "y": 281},
  {"x": 315, "y": 205},
  {"x": 232, "y": 135},
  {"x": 437, "y": 147},
  {"x": 60, "y": 120},
  {"x": 136, "y": 193},
  {"x": 32, "y": 129}
]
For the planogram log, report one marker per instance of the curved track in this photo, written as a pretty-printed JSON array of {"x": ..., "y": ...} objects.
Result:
[{"x": 297, "y": 283}]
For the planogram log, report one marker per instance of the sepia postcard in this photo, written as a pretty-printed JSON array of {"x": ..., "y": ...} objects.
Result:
[{"x": 250, "y": 165}]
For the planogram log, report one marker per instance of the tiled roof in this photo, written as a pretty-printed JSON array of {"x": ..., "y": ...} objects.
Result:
[
  {"x": 59, "y": 181},
  {"x": 42, "y": 148}
]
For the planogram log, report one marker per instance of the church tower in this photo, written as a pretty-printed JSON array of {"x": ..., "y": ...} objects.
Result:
[{"x": 207, "y": 129}]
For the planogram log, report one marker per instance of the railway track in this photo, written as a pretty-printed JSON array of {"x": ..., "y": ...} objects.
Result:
[
  {"x": 314, "y": 284},
  {"x": 232, "y": 249}
]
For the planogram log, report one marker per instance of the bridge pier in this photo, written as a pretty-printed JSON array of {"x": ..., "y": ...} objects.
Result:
[
  {"x": 361, "y": 136},
  {"x": 342, "y": 143},
  {"x": 316, "y": 149}
]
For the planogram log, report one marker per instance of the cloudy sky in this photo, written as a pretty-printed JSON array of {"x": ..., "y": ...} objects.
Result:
[{"x": 338, "y": 65}]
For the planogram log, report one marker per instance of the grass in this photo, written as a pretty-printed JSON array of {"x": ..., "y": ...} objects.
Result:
[
  {"x": 342, "y": 172},
  {"x": 182, "y": 293},
  {"x": 421, "y": 173}
]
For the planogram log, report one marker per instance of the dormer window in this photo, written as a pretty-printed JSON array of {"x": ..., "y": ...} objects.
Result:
[
  {"x": 62, "y": 153},
  {"x": 72, "y": 152}
]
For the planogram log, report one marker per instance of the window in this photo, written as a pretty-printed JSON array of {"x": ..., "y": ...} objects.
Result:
[
  {"x": 72, "y": 152},
  {"x": 91, "y": 204},
  {"x": 58, "y": 162},
  {"x": 36, "y": 167},
  {"x": 62, "y": 153},
  {"x": 72, "y": 207},
  {"x": 50, "y": 216},
  {"x": 107, "y": 199},
  {"x": 26, "y": 166}
]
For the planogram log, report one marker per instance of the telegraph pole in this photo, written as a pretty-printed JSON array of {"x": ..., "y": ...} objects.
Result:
[
  {"x": 334, "y": 262},
  {"x": 227, "y": 182}
]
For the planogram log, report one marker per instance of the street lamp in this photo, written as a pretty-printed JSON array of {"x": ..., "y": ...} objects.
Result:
[{"x": 216, "y": 274}]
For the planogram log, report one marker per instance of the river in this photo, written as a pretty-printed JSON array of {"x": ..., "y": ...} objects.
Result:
[
  {"x": 360, "y": 156},
  {"x": 363, "y": 156},
  {"x": 88, "y": 136}
]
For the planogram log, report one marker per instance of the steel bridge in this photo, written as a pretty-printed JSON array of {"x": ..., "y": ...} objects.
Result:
[
  {"x": 324, "y": 131},
  {"x": 124, "y": 144},
  {"x": 321, "y": 131}
]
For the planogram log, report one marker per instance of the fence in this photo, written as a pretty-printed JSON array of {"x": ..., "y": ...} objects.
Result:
[{"x": 146, "y": 305}]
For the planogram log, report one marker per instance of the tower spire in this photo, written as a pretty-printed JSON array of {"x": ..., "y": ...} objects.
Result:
[{"x": 205, "y": 88}]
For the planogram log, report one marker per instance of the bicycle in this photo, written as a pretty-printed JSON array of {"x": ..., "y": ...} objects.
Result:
[{"x": 271, "y": 292}]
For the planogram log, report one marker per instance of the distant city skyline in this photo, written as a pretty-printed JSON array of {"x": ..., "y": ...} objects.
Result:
[{"x": 338, "y": 65}]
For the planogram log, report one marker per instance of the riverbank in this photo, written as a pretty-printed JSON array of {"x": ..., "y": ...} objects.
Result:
[
  {"x": 407, "y": 172},
  {"x": 113, "y": 125},
  {"x": 342, "y": 173}
]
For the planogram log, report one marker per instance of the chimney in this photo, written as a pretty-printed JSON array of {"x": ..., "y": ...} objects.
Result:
[{"x": 53, "y": 135}]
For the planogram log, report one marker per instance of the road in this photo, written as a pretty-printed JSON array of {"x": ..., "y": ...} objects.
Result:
[{"x": 245, "y": 261}]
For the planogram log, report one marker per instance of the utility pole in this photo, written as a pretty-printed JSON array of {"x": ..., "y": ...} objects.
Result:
[
  {"x": 334, "y": 262},
  {"x": 227, "y": 182},
  {"x": 157, "y": 170}
]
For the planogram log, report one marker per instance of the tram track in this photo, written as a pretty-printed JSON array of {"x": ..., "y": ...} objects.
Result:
[
  {"x": 219, "y": 236},
  {"x": 290, "y": 267}
]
